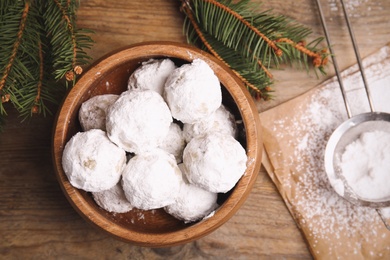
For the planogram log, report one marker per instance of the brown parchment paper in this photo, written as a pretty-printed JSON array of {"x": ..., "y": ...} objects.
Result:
[{"x": 295, "y": 137}]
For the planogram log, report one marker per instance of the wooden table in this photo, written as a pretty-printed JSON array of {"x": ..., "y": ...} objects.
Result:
[{"x": 36, "y": 221}]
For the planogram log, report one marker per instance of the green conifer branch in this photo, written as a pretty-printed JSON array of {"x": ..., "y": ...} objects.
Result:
[
  {"x": 67, "y": 40},
  {"x": 13, "y": 22},
  {"x": 248, "y": 41},
  {"x": 42, "y": 51}
]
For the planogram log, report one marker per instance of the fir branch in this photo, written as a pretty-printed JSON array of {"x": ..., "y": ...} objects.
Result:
[
  {"x": 28, "y": 73},
  {"x": 208, "y": 44},
  {"x": 40, "y": 44},
  {"x": 35, "y": 108},
  {"x": 66, "y": 39},
  {"x": 15, "y": 48},
  {"x": 246, "y": 23},
  {"x": 248, "y": 41},
  {"x": 228, "y": 56}
]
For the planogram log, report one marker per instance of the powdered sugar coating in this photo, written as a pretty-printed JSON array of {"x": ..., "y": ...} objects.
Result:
[
  {"x": 221, "y": 121},
  {"x": 113, "y": 200},
  {"x": 193, "y": 203},
  {"x": 214, "y": 162},
  {"x": 92, "y": 113},
  {"x": 152, "y": 75},
  {"x": 174, "y": 142},
  {"x": 152, "y": 180},
  {"x": 92, "y": 162},
  {"x": 193, "y": 92},
  {"x": 138, "y": 121}
]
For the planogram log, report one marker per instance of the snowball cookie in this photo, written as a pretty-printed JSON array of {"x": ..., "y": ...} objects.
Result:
[
  {"x": 138, "y": 121},
  {"x": 152, "y": 180},
  {"x": 193, "y": 203},
  {"x": 214, "y": 161},
  {"x": 193, "y": 92},
  {"x": 92, "y": 162},
  {"x": 221, "y": 121},
  {"x": 92, "y": 113},
  {"x": 152, "y": 75},
  {"x": 174, "y": 142},
  {"x": 113, "y": 200}
]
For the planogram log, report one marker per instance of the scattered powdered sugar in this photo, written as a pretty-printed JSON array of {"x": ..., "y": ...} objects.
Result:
[
  {"x": 365, "y": 163},
  {"x": 386, "y": 212},
  {"x": 352, "y": 6},
  {"x": 321, "y": 213}
]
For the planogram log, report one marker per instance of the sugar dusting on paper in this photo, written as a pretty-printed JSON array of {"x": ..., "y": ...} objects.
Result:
[
  {"x": 320, "y": 210},
  {"x": 333, "y": 226}
]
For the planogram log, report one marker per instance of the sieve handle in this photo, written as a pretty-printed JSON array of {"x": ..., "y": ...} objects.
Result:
[
  {"x": 359, "y": 60},
  {"x": 336, "y": 67}
]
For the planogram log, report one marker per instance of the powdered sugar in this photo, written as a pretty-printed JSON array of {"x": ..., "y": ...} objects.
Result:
[
  {"x": 138, "y": 121},
  {"x": 91, "y": 162},
  {"x": 92, "y": 113},
  {"x": 214, "y": 161},
  {"x": 319, "y": 209},
  {"x": 193, "y": 92},
  {"x": 151, "y": 180},
  {"x": 113, "y": 200},
  {"x": 174, "y": 142},
  {"x": 385, "y": 212},
  {"x": 193, "y": 203},
  {"x": 220, "y": 121},
  {"x": 365, "y": 163},
  {"x": 352, "y": 6},
  {"x": 334, "y": 227},
  {"x": 152, "y": 75}
]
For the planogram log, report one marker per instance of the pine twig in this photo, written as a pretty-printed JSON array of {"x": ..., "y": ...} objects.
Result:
[
  {"x": 15, "y": 49},
  {"x": 211, "y": 50},
  {"x": 40, "y": 42},
  {"x": 62, "y": 24},
  {"x": 318, "y": 60},
  {"x": 35, "y": 108},
  {"x": 270, "y": 43},
  {"x": 249, "y": 43}
]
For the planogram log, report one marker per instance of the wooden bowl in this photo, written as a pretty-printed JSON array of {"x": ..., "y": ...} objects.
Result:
[{"x": 155, "y": 228}]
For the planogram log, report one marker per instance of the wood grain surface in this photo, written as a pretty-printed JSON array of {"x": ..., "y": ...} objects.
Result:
[{"x": 36, "y": 220}]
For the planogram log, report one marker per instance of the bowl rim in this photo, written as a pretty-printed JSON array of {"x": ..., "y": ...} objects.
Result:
[{"x": 253, "y": 137}]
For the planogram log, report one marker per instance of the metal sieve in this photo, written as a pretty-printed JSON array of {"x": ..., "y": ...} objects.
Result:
[{"x": 351, "y": 129}]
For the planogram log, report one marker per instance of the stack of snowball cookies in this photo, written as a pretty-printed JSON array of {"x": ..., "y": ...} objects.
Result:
[{"x": 166, "y": 142}]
